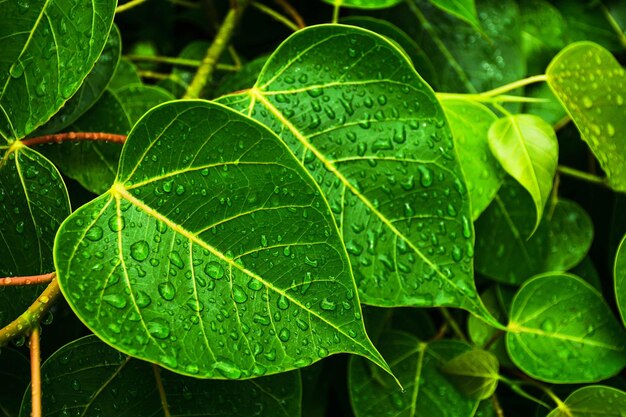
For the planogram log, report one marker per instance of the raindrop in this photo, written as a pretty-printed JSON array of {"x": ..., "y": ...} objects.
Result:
[
  {"x": 167, "y": 290},
  {"x": 159, "y": 329},
  {"x": 140, "y": 250},
  {"x": 214, "y": 270},
  {"x": 94, "y": 234},
  {"x": 239, "y": 295}
]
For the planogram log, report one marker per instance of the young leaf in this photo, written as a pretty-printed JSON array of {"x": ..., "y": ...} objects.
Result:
[
  {"x": 561, "y": 330},
  {"x": 406, "y": 223},
  {"x": 14, "y": 373},
  {"x": 464, "y": 9},
  {"x": 213, "y": 254},
  {"x": 591, "y": 85},
  {"x": 48, "y": 48},
  {"x": 418, "y": 367},
  {"x": 470, "y": 122},
  {"x": 92, "y": 379},
  {"x": 364, "y": 4},
  {"x": 592, "y": 401},
  {"x": 474, "y": 373},
  {"x": 136, "y": 99},
  {"x": 528, "y": 150},
  {"x": 619, "y": 272}
]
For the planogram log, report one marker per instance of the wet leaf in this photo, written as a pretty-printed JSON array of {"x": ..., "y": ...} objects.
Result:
[
  {"x": 474, "y": 373},
  {"x": 137, "y": 99},
  {"x": 363, "y": 4},
  {"x": 591, "y": 85},
  {"x": 620, "y": 279},
  {"x": 561, "y": 330},
  {"x": 92, "y": 379},
  {"x": 215, "y": 256},
  {"x": 40, "y": 42},
  {"x": 592, "y": 401}
]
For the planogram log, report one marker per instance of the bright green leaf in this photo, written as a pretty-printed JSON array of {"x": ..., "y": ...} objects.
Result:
[
  {"x": 375, "y": 139},
  {"x": 427, "y": 390},
  {"x": 591, "y": 84},
  {"x": 470, "y": 122},
  {"x": 215, "y": 256},
  {"x": 527, "y": 148},
  {"x": 561, "y": 330},
  {"x": 474, "y": 373},
  {"x": 364, "y": 4},
  {"x": 14, "y": 374},
  {"x": 464, "y": 9},
  {"x": 92, "y": 379},
  {"x": 592, "y": 401},
  {"x": 48, "y": 48},
  {"x": 620, "y": 279},
  {"x": 137, "y": 99}
]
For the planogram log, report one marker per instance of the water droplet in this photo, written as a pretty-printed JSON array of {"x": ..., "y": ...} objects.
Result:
[
  {"x": 284, "y": 334},
  {"x": 176, "y": 260},
  {"x": 167, "y": 290},
  {"x": 116, "y": 223},
  {"x": 327, "y": 305},
  {"x": 548, "y": 325},
  {"x": 214, "y": 270},
  {"x": 239, "y": 295},
  {"x": 228, "y": 369},
  {"x": 116, "y": 300},
  {"x": 426, "y": 176},
  {"x": 587, "y": 102},
  {"x": 19, "y": 226},
  {"x": 142, "y": 299},
  {"x": 283, "y": 302},
  {"x": 140, "y": 250},
  {"x": 158, "y": 328},
  {"x": 94, "y": 234},
  {"x": 255, "y": 284}
]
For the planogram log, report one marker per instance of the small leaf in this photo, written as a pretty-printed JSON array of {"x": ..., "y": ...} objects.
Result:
[
  {"x": 215, "y": 256},
  {"x": 592, "y": 401},
  {"x": 595, "y": 105},
  {"x": 474, "y": 373},
  {"x": 464, "y": 9},
  {"x": 418, "y": 368},
  {"x": 137, "y": 99},
  {"x": 528, "y": 150},
  {"x": 620, "y": 279},
  {"x": 562, "y": 331},
  {"x": 470, "y": 122},
  {"x": 364, "y": 4},
  {"x": 93, "y": 379}
]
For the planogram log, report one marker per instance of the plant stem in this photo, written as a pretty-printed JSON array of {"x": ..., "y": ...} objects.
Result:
[
  {"x": 129, "y": 5},
  {"x": 35, "y": 372},
  {"x": 493, "y": 339},
  {"x": 183, "y": 62},
  {"x": 152, "y": 75},
  {"x": 275, "y": 15},
  {"x": 30, "y": 318},
  {"x": 489, "y": 99},
  {"x": 497, "y": 408},
  {"x": 515, "y": 84},
  {"x": 27, "y": 280},
  {"x": 74, "y": 136},
  {"x": 501, "y": 109},
  {"x": 452, "y": 323},
  {"x": 514, "y": 385},
  {"x": 562, "y": 123},
  {"x": 336, "y": 10},
  {"x": 584, "y": 176},
  {"x": 289, "y": 9},
  {"x": 161, "y": 389},
  {"x": 614, "y": 25},
  {"x": 222, "y": 39}
]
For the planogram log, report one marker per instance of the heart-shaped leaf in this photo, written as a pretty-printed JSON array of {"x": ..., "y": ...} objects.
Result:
[
  {"x": 92, "y": 379},
  {"x": 474, "y": 373},
  {"x": 527, "y": 148},
  {"x": 592, "y": 401},
  {"x": 591, "y": 85},
  {"x": 407, "y": 224},
  {"x": 213, "y": 254},
  {"x": 619, "y": 272},
  {"x": 561, "y": 330},
  {"x": 48, "y": 48}
]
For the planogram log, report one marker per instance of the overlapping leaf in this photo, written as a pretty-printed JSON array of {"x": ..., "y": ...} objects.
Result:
[
  {"x": 620, "y": 279},
  {"x": 136, "y": 99},
  {"x": 561, "y": 330},
  {"x": 464, "y": 9},
  {"x": 352, "y": 109},
  {"x": 364, "y": 4},
  {"x": 48, "y": 48},
  {"x": 474, "y": 373},
  {"x": 213, "y": 254},
  {"x": 92, "y": 379},
  {"x": 592, "y": 401}
]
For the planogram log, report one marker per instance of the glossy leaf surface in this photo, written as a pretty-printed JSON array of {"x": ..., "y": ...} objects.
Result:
[
  {"x": 376, "y": 140},
  {"x": 92, "y": 379},
  {"x": 474, "y": 373},
  {"x": 213, "y": 254},
  {"x": 40, "y": 42},
  {"x": 595, "y": 105},
  {"x": 527, "y": 148},
  {"x": 593, "y": 401},
  {"x": 561, "y": 330},
  {"x": 136, "y": 99},
  {"x": 620, "y": 279},
  {"x": 470, "y": 122},
  {"x": 427, "y": 390}
]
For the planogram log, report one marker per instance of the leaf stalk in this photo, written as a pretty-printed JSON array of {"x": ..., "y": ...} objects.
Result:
[
  {"x": 27, "y": 280},
  {"x": 73, "y": 137}
]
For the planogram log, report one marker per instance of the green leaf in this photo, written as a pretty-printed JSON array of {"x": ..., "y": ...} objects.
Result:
[
  {"x": 91, "y": 90},
  {"x": 92, "y": 379},
  {"x": 14, "y": 374},
  {"x": 242, "y": 79},
  {"x": 549, "y": 109},
  {"x": 363, "y": 4},
  {"x": 619, "y": 272},
  {"x": 527, "y": 148},
  {"x": 586, "y": 21},
  {"x": 125, "y": 74},
  {"x": 474, "y": 373},
  {"x": 215, "y": 256},
  {"x": 137, "y": 99},
  {"x": 505, "y": 255},
  {"x": 470, "y": 122},
  {"x": 543, "y": 33},
  {"x": 93, "y": 163},
  {"x": 595, "y": 105},
  {"x": 464, "y": 9},
  {"x": 562, "y": 331},
  {"x": 592, "y": 401},
  {"x": 417, "y": 365},
  {"x": 33, "y": 203},
  {"x": 376, "y": 140},
  {"x": 48, "y": 48}
]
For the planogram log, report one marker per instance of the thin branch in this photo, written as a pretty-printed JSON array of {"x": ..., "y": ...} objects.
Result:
[
  {"x": 453, "y": 324},
  {"x": 30, "y": 318},
  {"x": 614, "y": 25},
  {"x": 35, "y": 372},
  {"x": 275, "y": 15},
  {"x": 129, "y": 5},
  {"x": 183, "y": 62},
  {"x": 152, "y": 75},
  {"x": 161, "y": 389},
  {"x": 27, "y": 280},
  {"x": 562, "y": 123},
  {"x": 73, "y": 137},
  {"x": 497, "y": 408},
  {"x": 291, "y": 11},
  {"x": 514, "y": 85},
  {"x": 581, "y": 175}
]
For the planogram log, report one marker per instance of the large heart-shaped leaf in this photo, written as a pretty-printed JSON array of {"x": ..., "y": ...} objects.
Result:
[
  {"x": 561, "y": 330},
  {"x": 591, "y": 85},
  {"x": 619, "y": 272},
  {"x": 213, "y": 254},
  {"x": 527, "y": 148},
  {"x": 418, "y": 368},
  {"x": 90, "y": 379},
  {"x": 48, "y": 48},
  {"x": 592, "y": 401},
  {"x": 346, "y": 101}
]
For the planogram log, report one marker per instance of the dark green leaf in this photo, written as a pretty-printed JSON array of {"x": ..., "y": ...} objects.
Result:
[
  {"x": 592, "y": 401},
  {"x": 91, "y": 379},
  {"x": 464, "y": 9},
  {"x": 14, "y": 374},
  {"x": 543, "y": 33},
  {"x": 587, "y": 22},
  {"x": 561, "y": 330},
  {"x": 48, "y": 48},
  {"x": 620, "y": 279},
  {"x": 137, "y": 99},
  {"x": 125, "y": 74},
  {"x": 474, "y": 373},
  {"x": 214, "y": 256},
  {"x": 363, "y": 4},
  {"x": 242, "y": 79}
]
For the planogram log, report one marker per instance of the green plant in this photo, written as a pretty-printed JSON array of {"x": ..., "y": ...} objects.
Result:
[{"x": 244, "y": 211}]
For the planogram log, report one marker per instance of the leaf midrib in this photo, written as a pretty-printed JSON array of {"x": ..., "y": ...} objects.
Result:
[{"x": 518, "y": 329}]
